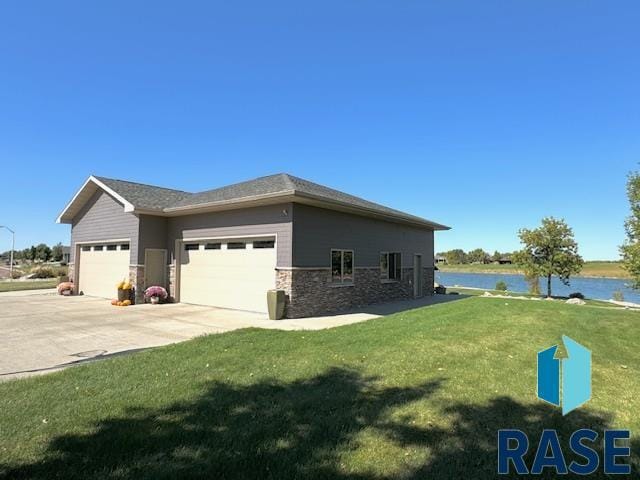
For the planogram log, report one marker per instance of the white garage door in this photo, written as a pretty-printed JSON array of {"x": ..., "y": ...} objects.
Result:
[
  {"x": 228, "y": 273},
  {"x": 102, "y": 267}
]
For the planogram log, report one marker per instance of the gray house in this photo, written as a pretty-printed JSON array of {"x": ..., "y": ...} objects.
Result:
[{"x": 226, "y": 247}]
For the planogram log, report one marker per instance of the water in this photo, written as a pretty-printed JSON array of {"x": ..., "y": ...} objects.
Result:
[{"x": 596, "y": 288}]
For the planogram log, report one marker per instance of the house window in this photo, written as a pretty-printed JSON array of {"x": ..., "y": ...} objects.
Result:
[
  {"x": 98, "y": 248},
  {"x": 86, "y": 248},
  {"x": 390, "y": 266},
  {"x": 111, "y": 248},
  {"x": 342, "y": 266},
  {"x": 191, "y": 246},
  {"x": 212, "y": 246},
  {"x": 264, "y": 244},
  {"x": 236, "y": 246},
  {"x": 124, "y": 246}
]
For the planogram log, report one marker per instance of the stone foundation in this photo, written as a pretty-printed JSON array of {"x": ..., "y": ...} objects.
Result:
[
  {"x": 136, "y": 278},
  {"x": 309, "y": 292},
  {"x": 171, "y": 282}
]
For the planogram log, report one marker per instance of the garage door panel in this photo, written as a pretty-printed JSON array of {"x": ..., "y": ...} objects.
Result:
[
  {"x": 100, "y": 271},
  {"x": 237, "y": 278}
]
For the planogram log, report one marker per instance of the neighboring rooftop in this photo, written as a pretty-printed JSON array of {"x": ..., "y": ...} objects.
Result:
[{"x": 150, "y": 199}]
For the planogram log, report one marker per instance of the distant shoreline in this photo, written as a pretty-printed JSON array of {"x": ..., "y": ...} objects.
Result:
[{"x": 610, "y": 270}]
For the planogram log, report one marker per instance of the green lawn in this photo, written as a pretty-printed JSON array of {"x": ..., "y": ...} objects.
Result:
[
  {"x": 416, "y": 395},
  {"x": 590, "y": 269},
  {"x": 16, "y": 285}
]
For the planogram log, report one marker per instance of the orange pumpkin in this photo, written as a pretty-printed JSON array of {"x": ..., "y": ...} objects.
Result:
[{"x": 114, "y": 302}]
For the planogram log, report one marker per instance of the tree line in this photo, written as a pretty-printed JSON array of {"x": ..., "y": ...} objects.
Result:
[
  {"x": 458, "y": 256},
  {"x": 37, "y": 253}
]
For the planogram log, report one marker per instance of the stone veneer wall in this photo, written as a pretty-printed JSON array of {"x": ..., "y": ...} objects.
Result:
[
  {"x": 310, "y": 291},
  {"x": 171, "y": 284},
  {"x": 136, "y": 277}
]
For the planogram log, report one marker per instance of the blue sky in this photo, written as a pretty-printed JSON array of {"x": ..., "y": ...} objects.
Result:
[{"x": 485, "y": 116}]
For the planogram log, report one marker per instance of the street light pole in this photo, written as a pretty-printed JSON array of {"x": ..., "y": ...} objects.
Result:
[{"x": 13, "y": 247}]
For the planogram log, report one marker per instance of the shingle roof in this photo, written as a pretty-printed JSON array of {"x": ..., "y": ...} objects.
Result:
[
  {"x": 145, "y": 196},
  {"x": 165, "y": 200}
]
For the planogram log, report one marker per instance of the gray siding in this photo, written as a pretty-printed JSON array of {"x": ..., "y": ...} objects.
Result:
[
  {"x": 316, "y": 231},
  {"x": 103, "y": 218},
  {"x": 270, "y": 219},
  {"x": 153, "y": 234}
]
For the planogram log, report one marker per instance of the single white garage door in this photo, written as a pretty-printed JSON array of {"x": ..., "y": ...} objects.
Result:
[
  {"x": 102, "y": 267},
  {"x": 228, "y": 273}
]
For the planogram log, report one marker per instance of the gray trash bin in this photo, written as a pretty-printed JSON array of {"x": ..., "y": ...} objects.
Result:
[{"x": 275, "y": 304}]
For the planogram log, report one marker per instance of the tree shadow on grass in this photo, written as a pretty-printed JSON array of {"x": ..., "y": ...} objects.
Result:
[
  {"x": 301, "y": 429},
  {"x": 264, "y": 430}
]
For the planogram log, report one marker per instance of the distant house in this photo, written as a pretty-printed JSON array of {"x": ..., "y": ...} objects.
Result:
[
  {"x": 440, "y": 259},
  {"x": 505, "y": 261},
  {"x": 66, "y": 254}
]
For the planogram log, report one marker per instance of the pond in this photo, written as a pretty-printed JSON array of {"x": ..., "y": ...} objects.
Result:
[{"x": 596, "y": 288}]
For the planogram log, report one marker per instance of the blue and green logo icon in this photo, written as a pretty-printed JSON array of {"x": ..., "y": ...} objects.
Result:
[{"x": 565, "y": 382}]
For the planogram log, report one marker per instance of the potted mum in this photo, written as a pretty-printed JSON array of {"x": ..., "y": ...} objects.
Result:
[{"x": 155, "y": 294}]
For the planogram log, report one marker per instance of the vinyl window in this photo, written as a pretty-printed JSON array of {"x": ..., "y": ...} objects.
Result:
[
  {"x": 390, "y": 266},
  {"x": 212, "y": 246},
  {"x": 191, "y": 246},
  {"x": 236, "y": 246},
  {"x": 341, "y": 266}
]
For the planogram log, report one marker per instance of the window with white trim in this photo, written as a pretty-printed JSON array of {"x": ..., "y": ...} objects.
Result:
[
  {"x": 390, "y": 266},
  {"x": 111, "y": 248},
  {"x": 341, "y": 266},
  {"x": 191, "y": 246}
]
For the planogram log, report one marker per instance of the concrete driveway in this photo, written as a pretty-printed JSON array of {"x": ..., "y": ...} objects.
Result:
[{"x": 42, "y": 331}]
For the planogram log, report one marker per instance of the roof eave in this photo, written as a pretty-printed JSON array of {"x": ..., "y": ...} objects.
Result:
[
  {"x": 296, "y": 196},
  {"x": 68, "y": 213}
]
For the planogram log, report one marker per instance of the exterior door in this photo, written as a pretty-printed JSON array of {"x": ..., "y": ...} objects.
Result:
[
  {"x": 418, "y": 276},
  {"x": 155, "y": 261}
]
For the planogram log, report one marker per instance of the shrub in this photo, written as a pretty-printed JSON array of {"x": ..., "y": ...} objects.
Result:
[
  {"x": 618, "y": 296},
  {"x": 43, "y": 272},
  {"x": 501, "y": 286},
  {"x": 576, "y": 295}
]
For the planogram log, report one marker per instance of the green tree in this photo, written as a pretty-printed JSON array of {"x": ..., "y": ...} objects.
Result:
[
  {"x": 56, "y": 252},
  {"x": 549, "y": 250},
  {"x": 42, "y": 253},
  {"x": 477, "y": 256},
  {"x": 456, "y": 257},
  {"x": 630, "y": 250},
  {"x": 496, "y": 256}
]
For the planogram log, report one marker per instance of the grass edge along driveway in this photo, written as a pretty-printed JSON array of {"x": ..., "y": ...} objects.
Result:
[{"x": 418, "y": 394}]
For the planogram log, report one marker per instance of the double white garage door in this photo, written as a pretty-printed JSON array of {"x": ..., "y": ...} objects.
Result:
[{"x": 228, "y": 273}]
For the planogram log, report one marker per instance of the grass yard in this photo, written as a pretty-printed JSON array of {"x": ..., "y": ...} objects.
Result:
[
  {"x": 415, "y": 395},
  {"x": 16, "y": 285},
  {"x": 590, "y": 269}
]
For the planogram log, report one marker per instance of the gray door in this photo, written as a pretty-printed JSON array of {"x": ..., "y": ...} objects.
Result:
[
  {"x": 155, "y": 261},
  {"x": 418, "y": 277}
]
